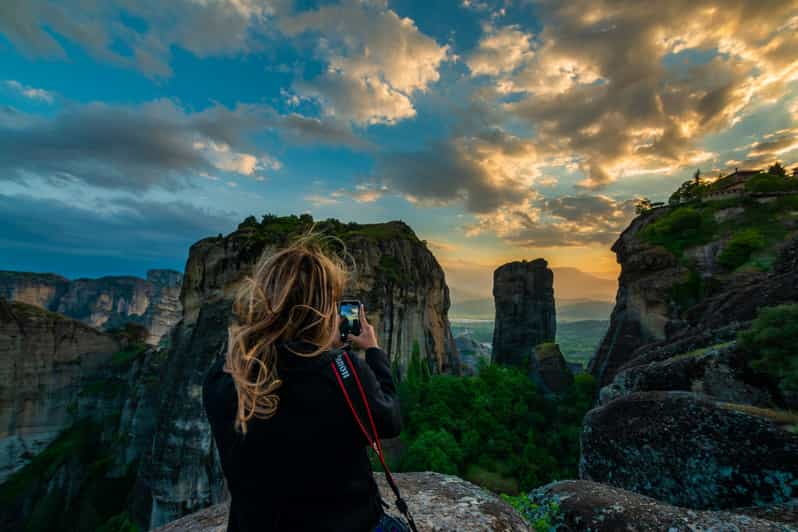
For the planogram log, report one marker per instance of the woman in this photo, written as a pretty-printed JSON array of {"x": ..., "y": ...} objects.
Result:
[{"x": 291, "y": 451}]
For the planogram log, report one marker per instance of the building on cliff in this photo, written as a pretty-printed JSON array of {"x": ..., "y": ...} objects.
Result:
[{"x": 523, "y": 292}]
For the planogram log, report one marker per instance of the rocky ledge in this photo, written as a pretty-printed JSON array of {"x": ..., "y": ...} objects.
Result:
[
  {"x": 438, "y": 502},
  {"x": 585, "y": 505}
]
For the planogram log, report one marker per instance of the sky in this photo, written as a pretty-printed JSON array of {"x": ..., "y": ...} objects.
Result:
[{"x": 499, "y": 130}]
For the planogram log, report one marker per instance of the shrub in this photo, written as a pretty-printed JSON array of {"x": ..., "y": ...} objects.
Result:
[
  {"x": 772, "y": 344},
  {"x": 740, "y": 248},
  {"x": 679, "y": 229},
  {"x": 494, "y": 426},
  {"x": 764, "y": 183}
]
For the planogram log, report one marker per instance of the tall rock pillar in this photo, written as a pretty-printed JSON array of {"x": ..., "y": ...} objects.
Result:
[{"x": 525, "y": 315}]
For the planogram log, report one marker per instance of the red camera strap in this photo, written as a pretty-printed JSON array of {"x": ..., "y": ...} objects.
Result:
[{"x": 374, "y": 441}]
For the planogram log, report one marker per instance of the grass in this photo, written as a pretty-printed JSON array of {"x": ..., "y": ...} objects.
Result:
[
  {"x": 699, "y": 352},
  {"x": 779, "y": 417}
]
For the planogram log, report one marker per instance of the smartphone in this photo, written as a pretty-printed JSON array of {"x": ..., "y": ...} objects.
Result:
[{"x": 349, "y": 309}]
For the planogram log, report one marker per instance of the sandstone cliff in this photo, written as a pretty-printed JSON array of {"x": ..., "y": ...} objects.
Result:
[
  {"x": 397, "y": 277},
  {"x": 104, "y": 303},
  {"x": 525, "y": 313},
  {"x": 77, "y": 419},
  {"x": 43, "y": 358},
  {"x": 438, "y": 503},
  {"x": 683, "y": 416}
]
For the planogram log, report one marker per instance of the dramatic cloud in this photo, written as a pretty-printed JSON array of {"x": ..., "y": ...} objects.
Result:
[
  {"x": 134, "y": 231},
  {"x": 626, "y": 88},
  {"x": 134, "y": 148},
  {"x": 30, "y": 92},
  {"x": 308, "y": 130},
  {"x": 486, "y": 171},
  {"x": 564, "y": 221},
  {"x": 500, "y": 51},
  {"x": 375, "y": 60},
  {"x": 148, "y": 29}
]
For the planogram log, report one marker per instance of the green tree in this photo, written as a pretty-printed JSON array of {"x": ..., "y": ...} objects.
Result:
[
  {"x": 777, "y": 169},
  {"x": 740, "y": 248},
  {"x": 772, "y": 344},
  {"x": 642, "y": 205},
  {"x": 433, "y": 451}
]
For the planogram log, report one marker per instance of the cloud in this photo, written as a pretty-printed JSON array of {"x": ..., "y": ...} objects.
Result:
[
  {"x": 147, "y": 29},
  {"x": 307, "y": 130},
  {"x": 156, "y": 144},
  {"x": 375, "y": 60},
  {"x": 485, "y": 171},
  {"x": 126, "y": 228},
  {"x": 576, "y": 220},
  {"x": 627, "y": 88},
  {"x": 500, "y": 51},
  {"x": 31, "y": 93}
]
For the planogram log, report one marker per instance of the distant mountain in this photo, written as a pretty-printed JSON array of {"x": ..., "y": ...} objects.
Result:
[
  {"x": 571, "y": 285},
  {"x": 568, "y": 310}
]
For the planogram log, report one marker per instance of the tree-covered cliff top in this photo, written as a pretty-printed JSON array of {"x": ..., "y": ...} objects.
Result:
[
  {"x": 279, "y": 229},
  {"x": 752, "y": 228}
]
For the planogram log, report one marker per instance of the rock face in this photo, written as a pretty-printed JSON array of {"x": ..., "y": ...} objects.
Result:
[
  {"x": 688, "y": 450},
  {"x": 585, "y": 505},
  {"x": 43, "y": 358},
  {"x": 437, "y": 502},
  {"x": 525, "y": 313},
  {"x": 472, "y": 352},
  {"x": 642, "y": 304},
  {"x": 398, "y": 279},
  {"x": 549, "y": 370},
  {"x": 104, "y": 303}
]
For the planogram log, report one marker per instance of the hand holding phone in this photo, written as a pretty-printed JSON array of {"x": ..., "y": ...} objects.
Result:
[{"x": 359, "y": 332}]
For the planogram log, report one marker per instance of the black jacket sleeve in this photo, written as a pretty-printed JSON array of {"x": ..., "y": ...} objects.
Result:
[{"x": 375, "y": 375}]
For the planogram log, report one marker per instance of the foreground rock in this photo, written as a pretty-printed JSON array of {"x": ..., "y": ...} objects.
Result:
[
  {"x": 43, "y": 359},
  {"x": 398, "y": 279},
  {"x": 104, "y": 303},
  {"x": 525, "y": 313},
  {"x": 438, "y": 503},
  {"x": 585, "y": 505},
  {"x": 688, "y": 450}
]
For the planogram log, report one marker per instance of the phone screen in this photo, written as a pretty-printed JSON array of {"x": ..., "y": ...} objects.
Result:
[
  {"x": 350, "y": 314},
  {"x": 350, "y": 311}
]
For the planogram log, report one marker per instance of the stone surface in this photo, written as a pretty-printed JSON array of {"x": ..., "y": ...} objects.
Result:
[
  {"x": 549, "y": 369},
  {"x": 104, "y": 303},
  {"x": 642, "y": 307},
  {"x": 585, "y": 505},
  {"x": 437, "y": 502},
  {"x": 399, "y": 281},
  {"x": 645, "y": 315},
  {"x": 523, "y": 293},
  {"x": 43, "y": 358},
  {"x": 472, "y": 353},
  {"x": 719, "y": 371},
  {"x": 688, "y": 450}
]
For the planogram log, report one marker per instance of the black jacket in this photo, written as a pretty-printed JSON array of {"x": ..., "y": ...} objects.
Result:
[{"x": 306, "y": 467}]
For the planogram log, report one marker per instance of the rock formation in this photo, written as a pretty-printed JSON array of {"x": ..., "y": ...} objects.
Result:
[
  {"x": 76, "y": 421},
  {"x": 525, "y": 313},
  {"x": 549, "y": 370},
  {"x": 105, "y": 303},
  {"x": 472, "y": 353},
  {"x": 585, "y": 505},
  {"x": 438, "y": 503},
  {"x": 398, "y": 279},
  {"x": 689, "y": 450},
  {"x": 43, "y": 358},
  {"x": 681, "y": 415}
]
